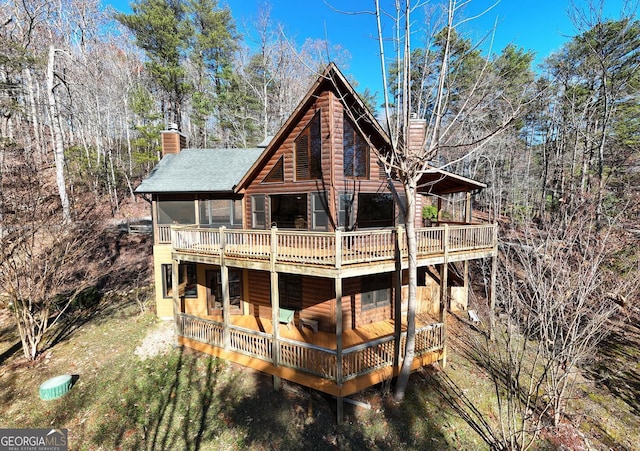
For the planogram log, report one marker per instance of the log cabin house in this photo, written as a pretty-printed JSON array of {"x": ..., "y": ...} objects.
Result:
[{"x": 290, "y": 258}]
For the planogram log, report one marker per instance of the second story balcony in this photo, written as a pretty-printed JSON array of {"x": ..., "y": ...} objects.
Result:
[{"x": 332, "y": 251}]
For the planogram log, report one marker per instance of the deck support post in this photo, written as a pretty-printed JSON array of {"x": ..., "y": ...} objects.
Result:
[
  {"x": 226, "y": 304},
  {"x": 275, "y": 305},
  {"x": 175, "y": 295},
  {"x": 339, "y": 344},
  {"x": 338, "y": 245},
  {"x": 397, "y": 284},
  {"x": 444, "y": 292}
]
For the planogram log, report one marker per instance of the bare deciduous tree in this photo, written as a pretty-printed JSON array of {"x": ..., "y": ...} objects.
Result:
[
  {"x": 557, "y": 296},
  {"x": 43, "y": 259},
  {"x": 454, "y": 105}
]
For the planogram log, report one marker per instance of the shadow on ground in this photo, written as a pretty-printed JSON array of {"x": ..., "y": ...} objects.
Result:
[
  {"x": 192, "y": 401},
  {"x": 616, "y": 365}
]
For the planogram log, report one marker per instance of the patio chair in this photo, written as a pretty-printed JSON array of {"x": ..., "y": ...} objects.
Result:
[{"x": 285, "y": 316}]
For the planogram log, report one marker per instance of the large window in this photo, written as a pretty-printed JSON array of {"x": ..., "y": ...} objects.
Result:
[
  {"x": 221, "y": 212},
  {"x": 176, "y": 212},
  {"x": 257, "y": 212},
  {"x": 378, "y": 291},
  {"x": 290, "y": 289},
  {"x": 289, "y": 211},
  {"x": 319, "y": 216},
  {"x": 214, "y": 290},
  {"x": 355, "y": 151},
  {"x": 308, "y": 148},
  {"x": 188, "y": 285},
  {"x": 375, "y": 210}
]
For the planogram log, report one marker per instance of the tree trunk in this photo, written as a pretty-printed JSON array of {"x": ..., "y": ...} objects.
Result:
[
  {"x": 412, "y": 251},
  {"x": 33, "y": 110},
  {"x": 56, "y": 132}
]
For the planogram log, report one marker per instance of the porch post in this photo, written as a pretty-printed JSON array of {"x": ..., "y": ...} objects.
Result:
[
  {"x": 338, "y": 244},
  {"x": 175, "y": 294},
  {"x": 444, "y": 298},
  {"x": 338, "y": 284},
  {"x": 154, "y": 220},
  {"x": 275, "y": 307},
  {"x": 224, "y": 281},
  {"x": 226, "y": 305}
]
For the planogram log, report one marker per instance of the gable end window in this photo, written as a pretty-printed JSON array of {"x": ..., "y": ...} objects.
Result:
[
  {"x": 355, "y": 151},
  {"x": 276, "y": 174},
  {"x": 308, "y": 151}
]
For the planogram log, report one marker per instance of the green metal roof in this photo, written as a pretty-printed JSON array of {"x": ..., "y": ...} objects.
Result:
[{"x": 199, "y": 170}]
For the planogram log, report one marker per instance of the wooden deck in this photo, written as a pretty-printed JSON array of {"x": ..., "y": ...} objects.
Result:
[
  {"x": 350, "y": 337},
  {"x": 308, "y": 358},
  {"x": 265, "y": 249}
]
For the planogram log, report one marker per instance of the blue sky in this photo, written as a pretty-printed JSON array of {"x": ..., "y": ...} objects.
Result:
[{"x": 538, "y": 25}]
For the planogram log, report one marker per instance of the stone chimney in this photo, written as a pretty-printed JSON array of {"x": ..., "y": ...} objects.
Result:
[
  {"x": 173, "y": 141},
  {"x": 417, "y": 129}
]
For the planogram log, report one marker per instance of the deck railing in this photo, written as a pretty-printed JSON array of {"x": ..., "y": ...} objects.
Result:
[
  {"x": 332, "y": 249},
  {"x": 164, "y": 234},
  {"x": 308, "y": 358},
  {"x": 250, "y": 342},
  {"x": 356, "y": 360},
  {"x": 199, "y": 329}
]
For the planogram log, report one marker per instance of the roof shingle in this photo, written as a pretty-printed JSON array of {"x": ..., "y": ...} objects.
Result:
[{"x": 199, "y": 170}]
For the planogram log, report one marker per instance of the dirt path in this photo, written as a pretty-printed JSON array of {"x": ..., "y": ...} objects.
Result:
[{"x": 158, "y": 341}]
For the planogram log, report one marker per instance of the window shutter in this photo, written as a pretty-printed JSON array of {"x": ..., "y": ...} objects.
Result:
[
  {"x": 355, "y": 151},
  {"x": 316, "y": 148},
  {"x": 302, "y": 157},
  {"x": 362, "y": 157},
  {"x": 308, "y": 149}
]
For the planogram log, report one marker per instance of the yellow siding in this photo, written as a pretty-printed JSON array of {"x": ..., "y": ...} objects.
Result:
[
  {"x": 161, "y": 255},
  {"x": 198, "y": 306}
]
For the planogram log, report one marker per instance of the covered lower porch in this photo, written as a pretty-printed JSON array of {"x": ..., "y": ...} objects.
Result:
[{"x": 367, "y": 356}]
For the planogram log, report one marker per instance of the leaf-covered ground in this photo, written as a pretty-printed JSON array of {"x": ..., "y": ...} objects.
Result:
[{"x": 178, "y": 399}]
